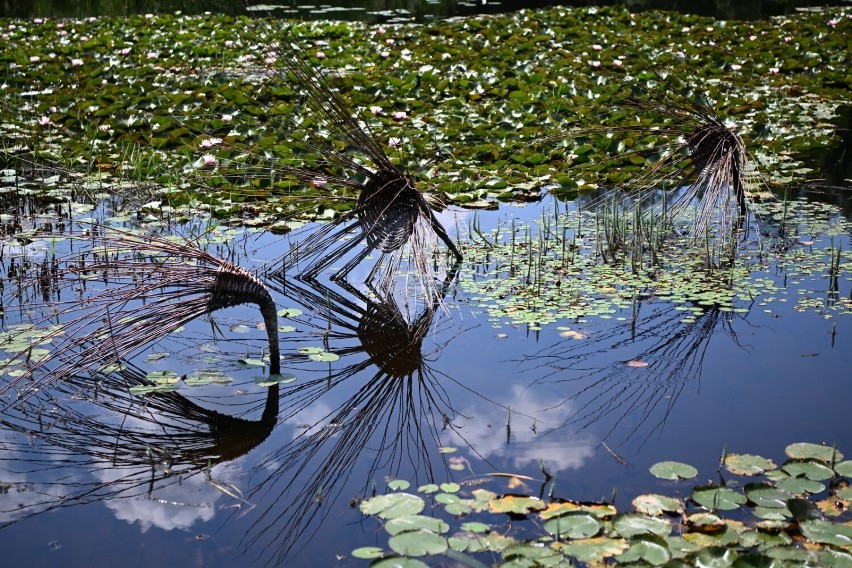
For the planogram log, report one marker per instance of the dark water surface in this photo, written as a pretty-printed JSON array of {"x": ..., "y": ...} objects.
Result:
[{"x": 127, "y": 488}]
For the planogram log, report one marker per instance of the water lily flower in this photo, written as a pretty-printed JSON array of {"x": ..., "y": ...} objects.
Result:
[
  {"x": 685, "y": 29},
  {"x": 320, "y": 55},
  {"x": 833, "y": 22},
  {"x": 381, "y": 30},
  {"x": 390, "y": 41},
  {"x": 595, "y": 63},
  {"x": 104, "y": 127},
  {"x": 35, "y": 59},
  {"x": 393, "y": 142},
  {"x": 375, "y": 109},
  {"x": 76, "y": 62},
  {"x": 617, "y": 62},
  {"x": 210, "y": 142},
  {"x": 229, "y": 43},
  {"x": 319, "y": 182},
  {"x": 227, "y": 117},
  {"x": 597, "y": 47},
  {"x": 152, "y": 55},
  {"x": 385, "y": 54},
  {"x": 736, "y": 66},
  {"x": 43, "y": 120},
  {"x": 209, "y": 160},
  {"x": 774, "y": 70},
  {"x": 84, "y": 39},
  {"x": 125, "y": 51},
  {"x": 37, "y": 20},
  {"x": 400, "y": 115},
  {"x": 752, "y": 37}
]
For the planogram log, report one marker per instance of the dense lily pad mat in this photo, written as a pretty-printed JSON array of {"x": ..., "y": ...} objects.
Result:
[
  {"x": 759, "y": 513},
  {"x": 176, "y": 100},
  {"x": 560, "y": 267}
]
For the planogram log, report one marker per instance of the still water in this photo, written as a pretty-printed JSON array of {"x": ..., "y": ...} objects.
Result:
[{"x": 95, "y": 476}]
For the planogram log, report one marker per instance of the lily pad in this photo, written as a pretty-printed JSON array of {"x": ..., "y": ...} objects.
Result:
[
  {"x": 657, "y": 504},
  {"x": 594, "y": 550},
  {"x": 673, "y": 470},
  {"x": 809, "y": 469},
  {"x": 418, "y": 543},
  {"x": 397, "y": 525},
  {"x": 766, "y": 495},
  {"x": 805, "y": 450},
  {"x": 392, "y": 505},
  {"x": 747, "y": 464},
  {"x": 368, "y": 552},
  {"x": 516, "y": 504},
  {"x": 827, "y": 532},
  {"x": 629, "y": 525},
  {"x": 573, "y": 525},
  {"x": 280, "y": 379},
  {"x": 718, "y": 498}
]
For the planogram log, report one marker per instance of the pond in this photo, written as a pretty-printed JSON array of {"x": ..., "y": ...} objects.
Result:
[{"x": 522, "y": 395}]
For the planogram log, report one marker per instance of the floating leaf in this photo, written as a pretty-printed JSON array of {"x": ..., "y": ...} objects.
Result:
[
  {"x": 415, "y": 522},
  {"x": 747, "y": 464},
  {"x": 519, "y": 505},
  {"x": 392, "y": 505},
  {"x": 573, "y": 525},
  {"x": 450, "y": 487},
  {"x": 805, "y": 450},
  {"x": 766, "y": 495},
  {"x": 652, "y": 550},
  {"x": 827, "y": 532},
  {"x": 398, "y": 484},
  {"x": 324, "y": 357},
  {"x": 844, "y": 468},
  {"x": 280, "y": 379},
  {"x": 718, "y": 498},
  {"x": 252, "y": 362},
  {"x": 428, "y": 488},
  {"x": 475, "y": 527},
  {"x": 810, "y": 469},
  {"x": 673, "y": 470},
  {"x": 593, "y": 550},
  {"x": 289, "y": 312},
  {"x": 368, "y": 552},
  {"x": 163, "y": 377},
  {"x": 418, "y": 543},
  {"x": 657, "y": 504},
  {"x": 631, "y": 524}
]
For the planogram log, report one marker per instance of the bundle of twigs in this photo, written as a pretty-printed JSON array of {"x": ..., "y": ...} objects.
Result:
[
  {"x": 124, "y": 291},
  {"x": 391, "y": 215}
]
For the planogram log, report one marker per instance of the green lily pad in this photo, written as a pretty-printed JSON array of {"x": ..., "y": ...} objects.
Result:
[
  {"x": 800, "y": 485},
  {"x": 163, "y": 377},
  {"x": 252, "y": 362},
  {"x": 450, "y": 487},
  {"x": 418, "y": 543},
  {"x": 519, "y": 505},
  {"x": 844, "y": 468},
  {"x": 747, "y": 464},
  {"x": 809, "y": 469},
  {"x": 594, "y": 550},
  {"x": 324, "y": 357},
  {"x": 766, "y": 495},
  {"x": 804, "y": 451},
  {"x": 475, "y": 527},
  {"x": 657, "y": 504},
  {"x": 673, "y": 470},
  {"x": 280, "y": 379},
  {"x": 398, "y": 484},
  {"x": 827, "y": 532},
  {"x": 573, "y": 525},
  {"x": 629, "y": 525},
  {"x": 397, "y": 525},
  {"x": 289, "y": 312},
  {"x": 718, "y": 498},
  {"x": 368, "y": 552},
  {"x": 392, "y": 505},
  {"x": 652, "y": 550}
]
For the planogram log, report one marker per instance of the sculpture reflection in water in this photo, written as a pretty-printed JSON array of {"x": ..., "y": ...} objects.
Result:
[
  {"x": 393, "y": 410},
  {"x": 628, "y": 378}
]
